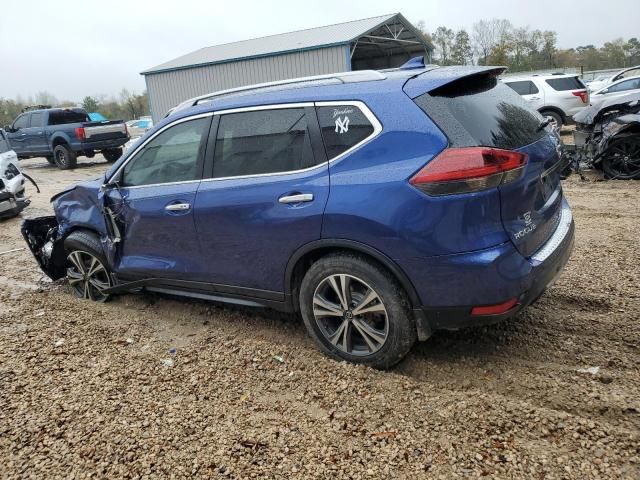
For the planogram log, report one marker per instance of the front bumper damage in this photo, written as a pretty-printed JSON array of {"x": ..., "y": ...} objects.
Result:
[
  {"x": 47, "y": 245},
  {"x": 11, "y": 205}
]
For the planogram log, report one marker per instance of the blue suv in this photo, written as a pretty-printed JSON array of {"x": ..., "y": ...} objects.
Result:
[{"x": 381, "y": 206}]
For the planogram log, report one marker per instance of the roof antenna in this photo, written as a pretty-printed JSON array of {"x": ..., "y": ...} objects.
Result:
[{"x": 415, "y": 62}]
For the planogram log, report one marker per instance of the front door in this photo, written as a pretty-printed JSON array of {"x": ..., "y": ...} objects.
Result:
[
  {"x": 36, "y": 139},
  {"x": 18, "y": 134},
  {"x": 154, "y": 204},
  {"x": 266, "y": 197}
]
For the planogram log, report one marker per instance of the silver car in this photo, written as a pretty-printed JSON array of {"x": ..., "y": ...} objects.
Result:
[
  {"x": 556, "y": 96},
  {"x": 615, "y": 90}
]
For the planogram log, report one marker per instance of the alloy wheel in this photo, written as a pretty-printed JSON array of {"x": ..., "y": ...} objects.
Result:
[
  {"x": 623, "y": 157},
  {"x": 87, "y": 276},
  {"x": 351, "y": 315}
]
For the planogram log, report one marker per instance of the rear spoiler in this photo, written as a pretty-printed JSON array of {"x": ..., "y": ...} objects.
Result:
[{"x": 433, "y": 79}]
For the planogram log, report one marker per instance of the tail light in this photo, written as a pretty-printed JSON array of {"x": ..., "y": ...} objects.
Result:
[
  {"x": 80, "y": 133},
  {"x": 583, "y": 94},
  {"x": 471, "y": 169}
]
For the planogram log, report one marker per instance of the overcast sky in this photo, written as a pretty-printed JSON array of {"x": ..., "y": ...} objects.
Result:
[{"x": 77, "y": 48}]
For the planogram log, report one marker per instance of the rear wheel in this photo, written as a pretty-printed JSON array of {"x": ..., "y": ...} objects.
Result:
[
  {"x": 555, "y": 119},
  {"x": 356, "y": 311},
  {"x": 87, "y": 270},
  {"x": 622, "y": 158},
  {"x": 63, "y": 157},
  {"x": 112, "y": 154}
]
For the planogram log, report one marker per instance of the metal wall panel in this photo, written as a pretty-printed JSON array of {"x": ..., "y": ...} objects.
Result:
[{"x": 168, "y": 89}]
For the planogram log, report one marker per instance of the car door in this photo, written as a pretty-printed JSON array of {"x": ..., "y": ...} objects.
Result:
[
  {"x": 266, "y": 196},
  {"x": 18, "y": 134},
  {"x": 616, "y": 90},
  {"x": 152, "y": 197},
  {"x": 36, "y": 139}
]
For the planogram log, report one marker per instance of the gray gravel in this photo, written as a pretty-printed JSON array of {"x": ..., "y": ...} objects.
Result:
[{"x": 94, "y": 390}]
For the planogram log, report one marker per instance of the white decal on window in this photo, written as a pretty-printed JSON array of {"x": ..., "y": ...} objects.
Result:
[{"x": 342, "y": 125}]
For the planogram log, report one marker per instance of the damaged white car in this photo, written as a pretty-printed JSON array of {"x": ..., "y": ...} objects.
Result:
[{"x": 12, "y": 181}]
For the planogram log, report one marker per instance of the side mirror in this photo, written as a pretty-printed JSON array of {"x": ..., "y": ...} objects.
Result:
[{"x": 606, "y": 90}]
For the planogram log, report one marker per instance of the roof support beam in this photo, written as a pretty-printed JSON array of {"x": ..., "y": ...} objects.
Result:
[{"x": 399, "y": 40}]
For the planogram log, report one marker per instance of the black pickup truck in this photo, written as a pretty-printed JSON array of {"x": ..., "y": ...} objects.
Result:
[{"x": 63, "y": 134}]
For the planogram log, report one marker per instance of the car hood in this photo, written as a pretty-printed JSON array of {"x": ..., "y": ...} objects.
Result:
[{"x": 589, "y": 115}]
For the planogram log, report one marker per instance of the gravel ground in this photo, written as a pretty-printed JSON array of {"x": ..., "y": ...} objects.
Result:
[{"x": 94, "y": 390}]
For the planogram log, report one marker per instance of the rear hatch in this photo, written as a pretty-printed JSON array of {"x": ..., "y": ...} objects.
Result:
[{"x": 478, "y": 111}]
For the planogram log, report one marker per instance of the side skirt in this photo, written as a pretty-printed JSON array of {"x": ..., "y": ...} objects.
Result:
[{"x": 208, "y": 291}]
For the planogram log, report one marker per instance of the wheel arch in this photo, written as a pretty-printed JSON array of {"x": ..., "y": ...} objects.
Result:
[
  {"x": 59, "y": 139},
  {"x": 302, "y": 259}
]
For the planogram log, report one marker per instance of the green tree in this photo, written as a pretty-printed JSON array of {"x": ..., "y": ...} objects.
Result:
[
  {"x": 90, "y": 104},
  {"x": 461, "y": 52}
]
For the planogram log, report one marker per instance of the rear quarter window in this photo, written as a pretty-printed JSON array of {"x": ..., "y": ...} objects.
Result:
[
  {"x": 478, "y": 110},
  {"x": 343, "y": 127},
  {"x": 565, "y": 83}
]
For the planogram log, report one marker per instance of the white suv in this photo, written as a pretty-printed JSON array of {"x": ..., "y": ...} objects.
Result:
[{"x": 556, "y": 96}]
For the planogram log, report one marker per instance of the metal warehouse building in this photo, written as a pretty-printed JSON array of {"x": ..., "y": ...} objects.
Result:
[{"x": 372, "y": 43}]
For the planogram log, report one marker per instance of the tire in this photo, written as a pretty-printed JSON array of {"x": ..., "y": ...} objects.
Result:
[
  {"x": 622, "y": 158},
  {"x": 50, "y": 159},
  {"x": 63, "y": 157},
  {"x": 388, "y": 324},
  {"x": 112, "y": 154},
  {"x": 556, "y": 118},
  {"x": 87, "y": 268}
]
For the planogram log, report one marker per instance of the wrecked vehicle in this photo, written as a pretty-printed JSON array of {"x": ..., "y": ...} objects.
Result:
[
  {"x": 12, "y": 181},
  {"x": 380, "y": 206},
  {"x": 607, "y": 137}
]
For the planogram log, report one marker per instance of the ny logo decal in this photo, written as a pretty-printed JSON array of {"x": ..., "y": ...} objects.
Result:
[{"x": 342, "y": 125}]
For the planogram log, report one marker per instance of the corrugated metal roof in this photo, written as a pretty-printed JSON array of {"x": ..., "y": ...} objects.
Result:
[{"x": 285, "y": 42}]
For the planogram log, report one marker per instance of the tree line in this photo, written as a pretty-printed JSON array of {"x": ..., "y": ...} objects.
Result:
[
  {"x": 498, "y": 42},
  {"x": 126, "y": 106}
]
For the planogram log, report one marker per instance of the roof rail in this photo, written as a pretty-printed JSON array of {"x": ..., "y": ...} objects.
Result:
[{"x": 342, "y": 77}]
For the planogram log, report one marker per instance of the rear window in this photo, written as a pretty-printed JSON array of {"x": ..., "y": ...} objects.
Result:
[
  {"x": 565, "y": 83},
  {"x": 67, "y": 116},
  {"x": 525, "y": 87},
  {"x": 478, "y": 110}
]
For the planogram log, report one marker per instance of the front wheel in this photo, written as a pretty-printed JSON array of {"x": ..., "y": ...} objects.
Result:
[
  {"x": 356, "y": 311},
  {"x": 87, "y": 270},
  {"x": 622, "y": 158},
  {"x": 112, "y": 154}
]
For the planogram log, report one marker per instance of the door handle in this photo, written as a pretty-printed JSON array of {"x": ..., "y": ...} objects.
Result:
[
  {"x": 297, "y": 198},
  {"x": 23, "y": 134},
  {"x": 177, "y": 207}
]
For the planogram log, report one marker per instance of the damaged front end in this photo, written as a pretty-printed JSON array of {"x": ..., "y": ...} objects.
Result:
[{"x": 47, "y": 245}]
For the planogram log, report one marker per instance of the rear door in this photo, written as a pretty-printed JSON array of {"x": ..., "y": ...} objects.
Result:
[
  {"x": 36, "y": 139},
  {"x": 480, "y": 111},
  {"x": 265, "y": 199},
  {"x": 529, "y": 91}
]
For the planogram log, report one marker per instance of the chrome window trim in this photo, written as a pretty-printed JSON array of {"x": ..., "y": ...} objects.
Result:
[
  {"x": 377, "y": 129},
  {"x": 144, "y": 144}
]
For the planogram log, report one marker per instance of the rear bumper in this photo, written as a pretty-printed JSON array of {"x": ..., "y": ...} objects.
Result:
[
  {"x": 99, "y": 144},
  {"x": 489, "y": 278}
]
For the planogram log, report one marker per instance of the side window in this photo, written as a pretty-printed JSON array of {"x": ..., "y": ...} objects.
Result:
[
  {"x": 36, "y": 119},
  {"x": 563, "y": 84},
  {"x": 343, "y": 127},
  {"x": 172, "y": 156},
  {"x": 4, "y": 143},
  {"x": 623, "y": 86},
  {"x": 524, "y": 87},
  {"x": 21, "y": 121},
  {"x": 262, "y": 141},
  {"x": 634, "y": 72}
]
